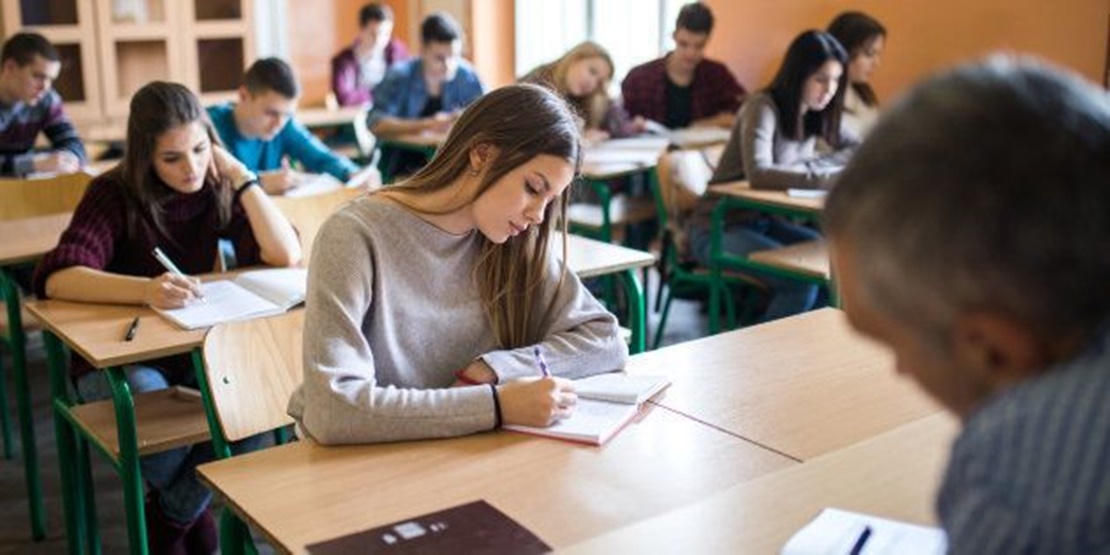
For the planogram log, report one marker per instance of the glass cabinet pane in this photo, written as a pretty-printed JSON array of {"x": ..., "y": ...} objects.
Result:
[
  {"x": 218, "y": 9},
  {"x": 138, "y": 11},
  {"x": 71, "y": 80},
  {"x": 221, "y": 64},
  {"x": 48, "y": 12}
]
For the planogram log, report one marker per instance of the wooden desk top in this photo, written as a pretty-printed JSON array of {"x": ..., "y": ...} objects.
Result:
[
  {"x": 803, "y": 386},
  {"x": 892, "y": 475},
  {"x": 299, "y": 494},
  {"x": 777, "y": 199},
  {"x": 589, "y": 258},
  {"x": 27, "y": 239},
  {"x": 323, "y": 117},
  {"x": 418, "y": 140},
  {"x": 810, "y": 258},
  {"x": 96, "y": 331}
]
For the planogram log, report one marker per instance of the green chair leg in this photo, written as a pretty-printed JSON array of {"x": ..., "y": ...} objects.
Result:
[
  {"x": 66, "y": 437},
  {"x": 5, "y": 414},
  {"x": 88, "y": 501},
  {"x": 129, "y": 460},
  {"x": 18, "y": 342}
]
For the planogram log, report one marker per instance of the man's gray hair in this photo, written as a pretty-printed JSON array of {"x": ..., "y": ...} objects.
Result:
[{"x": 986, "y": 187}]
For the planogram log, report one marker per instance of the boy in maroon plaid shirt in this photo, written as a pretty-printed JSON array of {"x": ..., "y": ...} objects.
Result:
[{"x": 683, "y": 88}]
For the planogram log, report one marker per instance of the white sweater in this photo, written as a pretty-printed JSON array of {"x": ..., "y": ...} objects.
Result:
[{"x": 393, "y": 310}]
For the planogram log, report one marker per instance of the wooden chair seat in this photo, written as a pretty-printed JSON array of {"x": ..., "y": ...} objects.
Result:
[
  {"x": 623, "y": 210},
  {"x": 164, "y": 419},
  {"x": 809, "y": 259}
]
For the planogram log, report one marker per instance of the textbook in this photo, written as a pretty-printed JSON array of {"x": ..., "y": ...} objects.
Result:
[
  {"x": 476, "y": 527},
  {"x": 689, "y": 137},
  {"x": 606, "y": 403},
  {"x": 836, "y": 531},
  {"x": 252, "y": 294},
  {"x": 806, "y": 193}
]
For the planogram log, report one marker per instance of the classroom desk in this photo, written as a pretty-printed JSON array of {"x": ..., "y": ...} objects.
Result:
[
  {"x": 95, "y": 332},
  {"x": 115, "y": 131},
  {"x": 590, "y": 258},
  {"x": 24, "y": 241},
  {"x": 740, "y": 193},
  {"x": 605, "y": 162},
  {"x": 301, "y": 493},
  {"x": 801, "y": 386},
  {"x": 892, "y": 475}
]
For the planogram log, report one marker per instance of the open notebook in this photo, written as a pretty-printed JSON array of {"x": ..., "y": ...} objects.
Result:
[
  {"x": 318, "y": 183},
  {"x": 252, "y": 294},
  {"x": 839, "y": 532},
  {"x": 606, "y": 403}
]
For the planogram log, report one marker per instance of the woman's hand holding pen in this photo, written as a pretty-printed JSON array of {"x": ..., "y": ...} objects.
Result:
[
  {"x": 537, "y": 402},
  {"x": 170, "y": 290}
]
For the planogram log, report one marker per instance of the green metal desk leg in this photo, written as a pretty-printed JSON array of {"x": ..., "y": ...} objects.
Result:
[
  {"x": 5, "y": 420},
  {"x": 129, "y": 460},
  {"x": 26, "y": 415},
  {"x": 72, "y": 487},
  {"x": 637, "y": 319}
]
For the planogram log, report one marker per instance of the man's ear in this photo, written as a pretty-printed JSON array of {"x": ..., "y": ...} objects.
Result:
[
  {"x": 999, "y": 349},
  {"x": 244, "y": 94}
]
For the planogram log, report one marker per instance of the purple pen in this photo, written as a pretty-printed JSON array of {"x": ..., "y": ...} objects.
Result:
[{"x": 541, "y": 362}]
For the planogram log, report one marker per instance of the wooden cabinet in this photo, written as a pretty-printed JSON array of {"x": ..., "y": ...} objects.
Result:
[{"x": 111, "y": 48}]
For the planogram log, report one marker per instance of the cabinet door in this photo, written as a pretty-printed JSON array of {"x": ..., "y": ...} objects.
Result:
[
  {"x": 218, "y": 44},
  {"x": 70, "y": 25},
  {"x": 139, "y": 43}
]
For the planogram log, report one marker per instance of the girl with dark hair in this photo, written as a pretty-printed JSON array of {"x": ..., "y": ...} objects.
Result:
[
  {"x": 178, "y": 190},
  {"x": 427, "y": 300},
  {"x": 863, "y": 37},
  {"x": 775, "y": 145}
]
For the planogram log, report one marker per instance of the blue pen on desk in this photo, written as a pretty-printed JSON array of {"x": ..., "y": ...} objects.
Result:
[
  {"x": 541, "y": 362},
  {"x": 170, "y": 266},
  {"x": 857, "y": 549}
]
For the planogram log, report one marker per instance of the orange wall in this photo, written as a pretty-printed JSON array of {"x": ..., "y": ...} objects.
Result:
[
  {"x": 493, "y": 39},
  {"x": 751, "y": 36}
]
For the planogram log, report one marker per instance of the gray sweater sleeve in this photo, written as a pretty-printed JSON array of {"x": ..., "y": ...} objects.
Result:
[
  {"x": 582, "y": 339},
  {"x": 774, "y": 162}
]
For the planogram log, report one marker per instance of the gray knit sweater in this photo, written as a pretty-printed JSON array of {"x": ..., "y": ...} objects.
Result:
[{"x": 393, "y": 310}]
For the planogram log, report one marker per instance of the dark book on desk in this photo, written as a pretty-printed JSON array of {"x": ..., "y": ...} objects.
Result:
[{"x": 476, "y": 527}]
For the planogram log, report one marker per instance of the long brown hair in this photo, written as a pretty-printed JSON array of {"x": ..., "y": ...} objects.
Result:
[
  {"x": 520, "y": 122},
  {"x": 592, "y": 107},
  {"x": 855, "y": 31},
  {"x": 156, "y": 108}
]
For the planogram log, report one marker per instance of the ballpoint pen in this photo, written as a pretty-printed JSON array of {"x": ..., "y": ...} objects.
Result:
[
  {"x": 170, "y": 266},
  {"x": 134, "y": 327},
  {"x": 861, "y": 541},
  {"x": 541, "y": 362}
]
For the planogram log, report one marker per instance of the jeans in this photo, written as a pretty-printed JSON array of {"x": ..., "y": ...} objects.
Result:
[
  {"x": 173, "y": 473},
  {"x": 789, "y": 296}
]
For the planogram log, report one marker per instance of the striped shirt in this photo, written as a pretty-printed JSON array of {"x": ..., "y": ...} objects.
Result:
[
  {"x": 1030, "y": 473},
  {"x": 20, "y": 125}
]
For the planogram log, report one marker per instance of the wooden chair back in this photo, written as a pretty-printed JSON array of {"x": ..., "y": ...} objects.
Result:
[
  {"x": 307, "y": 214},
  {"x": 25, "y": 198},
  {"x": 252, "y": 367}
]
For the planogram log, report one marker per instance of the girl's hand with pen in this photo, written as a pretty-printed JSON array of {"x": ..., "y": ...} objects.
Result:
[
  {"x": 536, "y": 402},
  {"x": 171, "y": 290}
]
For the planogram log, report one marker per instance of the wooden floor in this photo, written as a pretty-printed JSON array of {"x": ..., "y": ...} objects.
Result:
[{"x": 686, "y": 322}]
